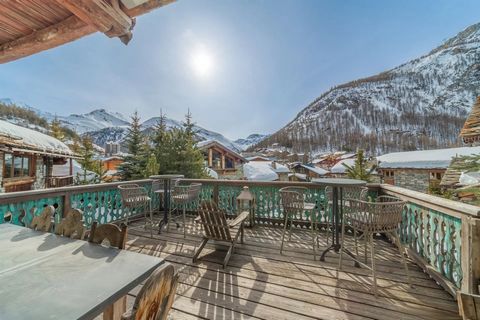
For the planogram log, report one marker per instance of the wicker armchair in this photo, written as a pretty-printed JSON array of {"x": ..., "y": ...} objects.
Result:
[
  {"x": 134, "y": 198},
  {"x": 370, "y": 218},
  {"x": 181, "y": 197},
  {"x": 294, "y": 207}
]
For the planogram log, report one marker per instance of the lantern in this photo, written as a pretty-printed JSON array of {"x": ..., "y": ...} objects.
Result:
[{"x": 246, "y": 202}]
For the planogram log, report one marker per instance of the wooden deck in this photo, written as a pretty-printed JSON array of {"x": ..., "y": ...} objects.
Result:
[{"x": 262, "y": 284}]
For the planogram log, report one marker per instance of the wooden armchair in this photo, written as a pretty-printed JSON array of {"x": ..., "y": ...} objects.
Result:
[
  {"x": 43, "y": 222},
  {"x": 156, "y": 297},
  {"x": 216, "y": 227},
  {"x": 72, "y": 225},
  {"x": 468, "y": 306},
  {"x": 115, "y": 235}
]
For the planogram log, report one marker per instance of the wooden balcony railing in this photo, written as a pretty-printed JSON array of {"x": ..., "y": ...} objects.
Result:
[
  {"x": 443, "y": 236},
  {"x": 58, "y": 181}
]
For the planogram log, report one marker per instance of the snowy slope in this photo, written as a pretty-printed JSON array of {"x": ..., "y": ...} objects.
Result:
[
  {"x": 421, "y": 104},
  {"x": 249, "y": 141},
  {"x": 94, "y": 120}
]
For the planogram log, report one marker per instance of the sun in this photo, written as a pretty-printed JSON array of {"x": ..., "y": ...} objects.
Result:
[{"x": 202, "y": 62}]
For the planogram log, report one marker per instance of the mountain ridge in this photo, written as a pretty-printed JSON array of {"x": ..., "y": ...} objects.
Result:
[{"x": 419, "y": 104}]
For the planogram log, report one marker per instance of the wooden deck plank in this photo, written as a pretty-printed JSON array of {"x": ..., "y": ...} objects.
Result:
[{"x": 259, "y": 283}]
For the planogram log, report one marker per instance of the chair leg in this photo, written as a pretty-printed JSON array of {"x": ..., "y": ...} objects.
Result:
[
  {"x": 365, "y": 239},
  {"x": 342, "y": 245},
  {"x": 283, "y": 233},
  {"x": 241, "y": 232},
  {"x": 229, "y": 254},
  {"x": 200, "y": 248},
  {"x": 372, "y": 250},
  {"x": 402, "y": 254},
  {"x": 356, "y": 242},
  {"x": 327, "y": 219},
  {"x": 184, "y": 222},
  {"x": 151, "y": 220},
  {"x": 314, "y": 235}
]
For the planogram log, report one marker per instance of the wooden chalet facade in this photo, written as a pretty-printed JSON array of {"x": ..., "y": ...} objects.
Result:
[
  {"x": 470, "y": 133},
  {"x": 27, "y": 158},
  {"x": 221, "y": 159}
]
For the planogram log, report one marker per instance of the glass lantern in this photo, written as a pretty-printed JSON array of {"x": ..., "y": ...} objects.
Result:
[{"x": 246, "y": 202}]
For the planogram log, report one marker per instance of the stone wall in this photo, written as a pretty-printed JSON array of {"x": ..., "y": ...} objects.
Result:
[
  {"x": 417, "y": 180},
  {"x": 39, "y": 182}
]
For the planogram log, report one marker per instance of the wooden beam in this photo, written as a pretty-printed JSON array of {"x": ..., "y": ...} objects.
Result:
[
  {"x": 106, "y": 18},
  {"x": 63, "y": 32},
  {"x": 68, "y": 30}
]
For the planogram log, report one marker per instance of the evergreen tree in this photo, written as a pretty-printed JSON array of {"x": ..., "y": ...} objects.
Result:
[
  {"x": 162, "y": 145},
  {"x": 131, "y": 168},
  {"x": 190, "y": 161},
  {"x": 361, "y": 169},
  {"x": 152, "y": 167},
  {"x": 86, "y": 161},
  {"x": 56, "y": 129}
]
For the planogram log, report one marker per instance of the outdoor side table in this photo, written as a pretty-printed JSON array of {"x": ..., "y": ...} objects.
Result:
[
  {"x": 167, "y": 185},
  {"x": 45, "y": 276},
  {"x": 337, "y": 185}
]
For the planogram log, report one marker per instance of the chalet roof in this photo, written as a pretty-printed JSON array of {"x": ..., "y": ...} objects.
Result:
[
  {"x": 259, "y": 171},
  {"x": 424, "y": 159},
  {"x": 31, "y": 26},
  {"x": 340, "y": 168},
  {"x": 471, "y": 129},
  {"x": 452, "y": 175},
  {"x": 207, "y": 144},
  {"x": 15, "y": 137}
]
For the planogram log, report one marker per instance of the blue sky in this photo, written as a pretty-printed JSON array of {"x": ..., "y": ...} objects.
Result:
[{"x": 241, "y": 66}]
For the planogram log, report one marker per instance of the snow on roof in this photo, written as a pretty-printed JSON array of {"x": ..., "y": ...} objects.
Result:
[
  {"x": 425, "y": 159},
  {"x": 212, "y": 173},
  {"x": 317, "y": 170},
  {"x": 257, "y": 157},
  {"x": 280, "y": 168},
  {"x": 340, "y": 168},
  {"x": 260, "y": 171},
  {"x": 348, "y": 155},
  {"x": 300, "y": 176},
  {"x": 64, "y": 170},
  {"x": 33, "y": 139}
]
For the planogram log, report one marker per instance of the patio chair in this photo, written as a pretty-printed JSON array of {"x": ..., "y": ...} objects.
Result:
[
  {"x": 156, "y": 296},
  {"x": 295, "y": 207},
  {"x": 216, "y": 227},
  {"x": 72, "y": 225},
  {"x": 116, "y": 236},
  {"x": 370, "y": 218},
  {"x": 182, "y": 197},
  {"x": 135, "y": 197},
  {"x": 468, "y": 305},
  {"x": 43, "y": 222}
]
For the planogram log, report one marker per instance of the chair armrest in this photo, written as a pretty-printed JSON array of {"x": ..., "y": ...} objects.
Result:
[
  {"x": 198, "y": 219},
  {"x": 239, "y": 219},
  {"x": 127, "y": 315}
]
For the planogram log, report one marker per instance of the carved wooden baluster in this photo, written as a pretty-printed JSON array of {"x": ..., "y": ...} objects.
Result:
[
  {"x": 43, "y": 221},
  {"x": 72, "y": 225}
]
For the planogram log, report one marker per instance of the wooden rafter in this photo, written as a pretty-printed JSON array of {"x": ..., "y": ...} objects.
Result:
[
  {"x": 107, "y": 18},
  {"x": 89, "y": 16}
]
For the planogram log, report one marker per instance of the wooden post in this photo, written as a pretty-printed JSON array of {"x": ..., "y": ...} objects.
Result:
[
  {"x": 216, "y": 196},
  {"x": 115, "y": 310},
  {"x": 71, "y": 167},
  {"x": 223, "y": 161},
  {"x": 470, "y": 254},
  {"x": 210, "y": 157}
]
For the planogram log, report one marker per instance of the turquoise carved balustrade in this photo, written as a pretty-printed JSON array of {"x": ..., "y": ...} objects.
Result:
[{"x": 435, "y": 236}]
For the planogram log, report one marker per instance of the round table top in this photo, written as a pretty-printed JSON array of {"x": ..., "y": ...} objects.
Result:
[
  {"x": 167, "y": 176},
  {"x": 339, "y": 182}
]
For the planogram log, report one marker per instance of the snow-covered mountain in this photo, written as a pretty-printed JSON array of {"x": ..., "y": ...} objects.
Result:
[
  {"x": 421, "y": 104},
  {"x": 245, "y": 143}
]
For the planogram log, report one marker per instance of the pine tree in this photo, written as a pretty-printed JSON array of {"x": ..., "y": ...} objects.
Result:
[
  {"x": 152, "y": 167},
  {"x": 131, "y": 168},
  {"x": 361, "y": 169},
  {"x": 190, "y": 161},
  {"x": 56, "y": 129},
  {"x": 86, "y": 161},
  {"x": 162, "y": 145}
]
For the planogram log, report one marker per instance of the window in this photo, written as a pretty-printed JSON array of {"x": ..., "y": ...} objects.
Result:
[{"x": 16, "y": 166}]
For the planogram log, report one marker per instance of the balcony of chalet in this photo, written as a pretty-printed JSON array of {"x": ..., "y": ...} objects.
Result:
[{"x": 440, "y": 237}]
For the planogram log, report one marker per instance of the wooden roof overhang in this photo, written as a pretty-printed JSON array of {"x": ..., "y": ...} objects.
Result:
[
  {"x": 471, "y": 129},
  {"x": 222, "y": 149},
  {"x": 31, "y": 26}
]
